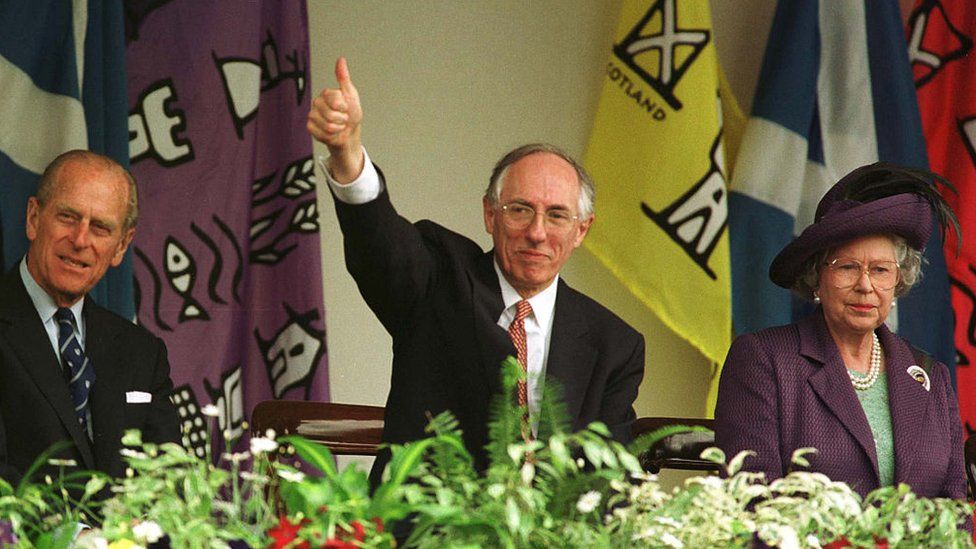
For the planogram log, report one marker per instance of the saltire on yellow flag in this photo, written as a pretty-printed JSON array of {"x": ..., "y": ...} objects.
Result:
[{"x": 657, "y": 157}]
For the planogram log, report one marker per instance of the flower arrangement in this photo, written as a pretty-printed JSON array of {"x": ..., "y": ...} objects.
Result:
[{"x": 559, "y": 489}]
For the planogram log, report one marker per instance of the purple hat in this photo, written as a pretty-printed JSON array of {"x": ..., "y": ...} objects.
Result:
[{"x": 880, "y": 198}]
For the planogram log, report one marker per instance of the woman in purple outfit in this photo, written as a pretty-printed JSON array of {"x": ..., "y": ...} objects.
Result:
[{"x": 878, "y": 411}]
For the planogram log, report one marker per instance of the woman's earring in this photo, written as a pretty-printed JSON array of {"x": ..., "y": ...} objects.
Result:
[
  {"x": 816, "y": 298},
  {"x": 894, "y": 302}
]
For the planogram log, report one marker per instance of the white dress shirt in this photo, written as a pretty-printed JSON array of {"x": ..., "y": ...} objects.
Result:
[
  {"x": 46, "y": 307},
  {"x": 538, "y": 329}
]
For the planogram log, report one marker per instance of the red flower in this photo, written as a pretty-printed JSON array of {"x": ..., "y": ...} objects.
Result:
[
  {"x": 838, "y": 543},
  {"x": 285, "y": 533},
  {"x": 336, "y": 543},
  {"x": 358, "y": 532},
  {"x": 881, "y": 543}
]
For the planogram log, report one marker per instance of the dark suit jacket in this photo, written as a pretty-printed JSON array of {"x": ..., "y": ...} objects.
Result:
[
  {"x": 787, "y": 387},
  {"x": 35, "y": 402},
  {"x": 437, "y": 294}
]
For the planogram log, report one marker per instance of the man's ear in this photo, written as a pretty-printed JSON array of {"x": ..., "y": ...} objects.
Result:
[
  {"x": 489, "y": 212},
  {"x": 582, "y": 230},
  {"x": 33, "y": 213},
  {"x": 123, "y": 246}
]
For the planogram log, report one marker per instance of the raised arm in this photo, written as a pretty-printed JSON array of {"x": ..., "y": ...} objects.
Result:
[{"x": 336, "y": 119}]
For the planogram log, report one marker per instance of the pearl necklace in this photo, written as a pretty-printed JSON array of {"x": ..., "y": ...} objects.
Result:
[{"x": 863, "y": 383}]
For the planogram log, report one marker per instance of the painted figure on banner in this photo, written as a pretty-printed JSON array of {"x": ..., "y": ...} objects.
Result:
[{"x": 228, "y": 268}]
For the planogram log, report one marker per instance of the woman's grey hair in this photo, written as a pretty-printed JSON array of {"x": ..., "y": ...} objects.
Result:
[
  {"x": 909, "y": 263},
  {"x": 587, "y": 195}
]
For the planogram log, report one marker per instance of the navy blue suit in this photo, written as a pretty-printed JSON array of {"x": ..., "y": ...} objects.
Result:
[
  {"x": 36, "y": 410},
  {"x": 437, "y": 294}
]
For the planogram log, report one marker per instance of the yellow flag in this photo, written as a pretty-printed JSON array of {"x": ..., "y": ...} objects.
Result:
[{"x": 657, "y": 158}]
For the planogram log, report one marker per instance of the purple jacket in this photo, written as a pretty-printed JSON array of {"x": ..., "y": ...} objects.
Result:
[{"x": 787, "y": 387}]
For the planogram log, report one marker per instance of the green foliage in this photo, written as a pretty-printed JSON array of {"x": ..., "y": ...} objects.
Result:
[
  {"x": 44, "y": 514},
  {"x": 196, "y": 503},
  {"x": 560, "y": 489}
]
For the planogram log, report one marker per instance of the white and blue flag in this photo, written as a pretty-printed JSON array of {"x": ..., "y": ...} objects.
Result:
[
  {"x": 62, "y": 87},
  {"x": 835, "y": 92}
]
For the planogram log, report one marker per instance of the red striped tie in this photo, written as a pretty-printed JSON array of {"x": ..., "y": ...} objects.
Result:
[{"x": 516, "y": 331}]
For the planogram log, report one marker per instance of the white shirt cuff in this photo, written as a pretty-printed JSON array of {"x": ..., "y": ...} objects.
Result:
[{"x": 361, "y": 190}]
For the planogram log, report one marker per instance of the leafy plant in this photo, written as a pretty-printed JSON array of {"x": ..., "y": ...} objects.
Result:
[{"x": 558, "y": 489}]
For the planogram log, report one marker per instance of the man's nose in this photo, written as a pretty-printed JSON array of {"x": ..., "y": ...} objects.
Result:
[
  {"x": 536, "y": 231},
  {"x": 81, "y": 236}
]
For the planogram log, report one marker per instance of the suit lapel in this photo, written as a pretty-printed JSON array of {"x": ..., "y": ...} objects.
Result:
[
  {"x": 110, "y": 377},
  {"x": 25, "y": 334},
  {"x": 571, "y": 356},
  {"x": 833, "y": 385},
  {"x": 493, "y": 342},
  {"x": 908, "y": 415}
]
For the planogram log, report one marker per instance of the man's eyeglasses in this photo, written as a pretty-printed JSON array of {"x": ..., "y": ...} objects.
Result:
[
  {"x": 520, "y": 216},
  {"x": 845, "y": 272}
]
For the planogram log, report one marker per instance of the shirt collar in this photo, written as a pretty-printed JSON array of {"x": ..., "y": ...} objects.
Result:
[
  {"x": 44, "y": 303},
  {"x": 543, "y": 303}
]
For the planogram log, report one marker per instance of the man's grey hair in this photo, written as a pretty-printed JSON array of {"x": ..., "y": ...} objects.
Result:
[
  {"x": 49, "y": 179},
  {"x": 587, "y": 195},
  {"x": 909, "y": 263}
]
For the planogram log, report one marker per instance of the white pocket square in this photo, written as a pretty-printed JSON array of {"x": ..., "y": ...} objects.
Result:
[{"x": 138, "y": 397}]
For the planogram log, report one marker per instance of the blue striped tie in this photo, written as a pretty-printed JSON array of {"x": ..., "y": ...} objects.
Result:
[{"x": 74, "y": 359}]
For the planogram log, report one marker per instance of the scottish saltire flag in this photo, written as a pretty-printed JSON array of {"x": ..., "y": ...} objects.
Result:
[
  {"x": 226, "y": 258},
  {"x": 62, "y": 87},
  {"x": 941, "y": 36},
  {"x": 835, "y": 92},
  {"x": 657, "y": 157}
]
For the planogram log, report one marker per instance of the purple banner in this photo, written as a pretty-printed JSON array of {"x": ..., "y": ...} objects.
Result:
[{"x": 226, "y": 254}]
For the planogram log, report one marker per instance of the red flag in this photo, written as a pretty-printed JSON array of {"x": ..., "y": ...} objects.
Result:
[{"x": 940, "y": 44}]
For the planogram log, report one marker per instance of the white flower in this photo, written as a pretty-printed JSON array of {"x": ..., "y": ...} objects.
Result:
[
  {"x": 54, "y": 462},
  {"x": 667, "y": 521},
  {"x": 147, "y": 531},
  {"x": 496, "y": 490},
  {"x": 87, "y": 540},
  {"x": 812, "y": 541},
  {"x": 235, "y": 457},
  {"x": 210, "y": 410},
  {"x": 130, "y": 453},
  {"x": 668, "y": 539},
  {"x": 260, "y": 445},
  {"x": 588, "y": 501},
  {"x": 787, "y": 538},
  {"x": 291, "y": 476},
  {"x": 528, "y": 472}
]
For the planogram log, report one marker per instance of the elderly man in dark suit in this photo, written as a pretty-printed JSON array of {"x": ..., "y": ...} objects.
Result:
[
  {"x": 69, "y": 369},
  {"x": 878, "y": 411},
  {"x": 455, "y": 312}
]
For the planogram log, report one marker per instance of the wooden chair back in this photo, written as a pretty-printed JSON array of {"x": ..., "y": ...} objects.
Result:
[
  {"x": 678, "y": 451},
  {"x": 346, "y": 429}
]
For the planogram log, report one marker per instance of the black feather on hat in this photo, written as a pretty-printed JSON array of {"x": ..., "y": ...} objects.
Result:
[{"x": 880, "y": 198}]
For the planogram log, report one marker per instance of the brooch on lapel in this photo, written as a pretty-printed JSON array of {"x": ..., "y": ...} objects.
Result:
[{"x": 920, "y": 375}]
